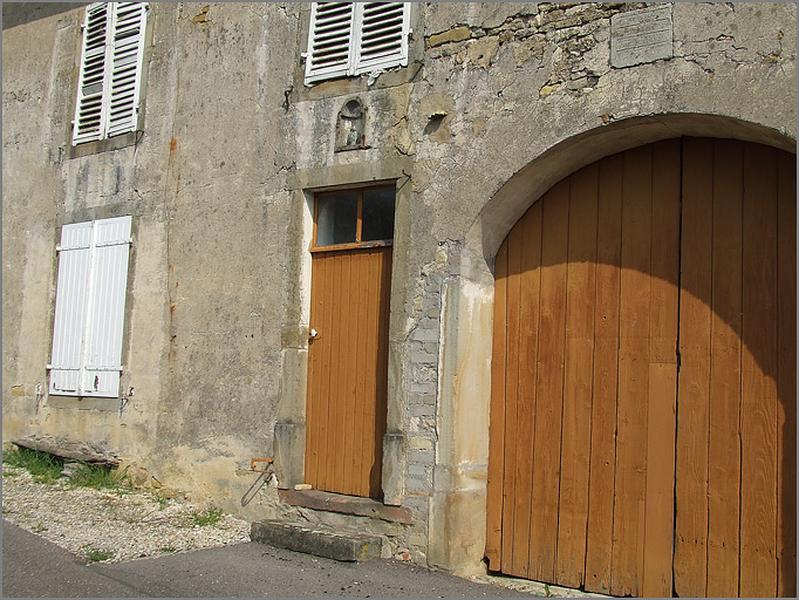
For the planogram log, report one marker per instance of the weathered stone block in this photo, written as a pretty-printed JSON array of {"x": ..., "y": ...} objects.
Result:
[
  {"x": 417, "y": 471},
  {"x": 423, "y": 410},
  {"x": 457, "y": 34},
  {"x": 483, "y": 51},
  {"x": 421, "y": 443},
  {"x": 423, "y": 388},
  {"x": 393, "y": 468},
  {"x": 289, "y": 456},
  {"x": 419, "y": 484},
  {"x": 641, "y": 36},
  {"x": 419, "y": 456},
  {"x": 425, "y": 335},
  {"x": 319, "y": 542}
]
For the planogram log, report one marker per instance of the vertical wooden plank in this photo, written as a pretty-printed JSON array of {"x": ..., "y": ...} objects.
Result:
[
  {"x": 690, "y": 553},
  {"x": 321, "y": 373},
  {"x": 349, "y": 480},
  {"x": 325, "y": 398},
  {"x": 605, "y": 372},
  {"x": 334, "y": 437},
  {"x": 661, "y": 430},
  {"x": 549, "y": 392},
  {"x": 759, "y": 370},
  {"x": 496, "y": 426},
  {"x": 364, "y": 371},
  {"x": 349, "y": 329},
  {"x": 580, "y": 308},
  {"x": 512, "y": 391},
  {"x": 314, "y": 365},
  {"x": 527, "y": 333},
  {"x": 365, "y": 379},
  {"x": 633, "y": 382},
  {"x": 786, "y": 425},
  {"x": 340, "y": 375},
  {"x": 370, "y": 316},
  {"x": 331, "y": 392},
  {"x": 724, "y": 467},
  {"x": 361, "y": 368},
  {"x": 385, "y": 256},
  {"x": 372, "y": 412}
]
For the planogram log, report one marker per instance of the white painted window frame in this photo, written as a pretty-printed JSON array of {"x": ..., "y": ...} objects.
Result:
[
  {"x": 107, "y": 74},
  {"x": 354, "y": 66},
  {"x": 90, "y": 318}
]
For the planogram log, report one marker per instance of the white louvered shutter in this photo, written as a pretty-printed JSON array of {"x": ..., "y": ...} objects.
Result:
[
  {"x": 90, "y": 308},
  {"x": 107, "y": 291},
  {"x": 329, "y": 40},
  {"x": 383, "y": 38},
  {"x": 70, "y": 307},
  {"x": 129, "y": 20},
  {"x": 92, "y": 84}
]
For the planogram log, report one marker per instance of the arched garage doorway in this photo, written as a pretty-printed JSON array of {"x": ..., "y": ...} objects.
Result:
[{"x": 642, "y": 436}]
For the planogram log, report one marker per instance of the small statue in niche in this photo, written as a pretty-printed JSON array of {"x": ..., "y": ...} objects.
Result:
[{"x": 350, "y": 126}]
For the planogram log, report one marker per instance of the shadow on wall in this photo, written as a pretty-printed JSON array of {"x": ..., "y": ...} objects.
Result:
[
  {"x": 555, "y": 163},
  {"x": 19, "y": 13}
]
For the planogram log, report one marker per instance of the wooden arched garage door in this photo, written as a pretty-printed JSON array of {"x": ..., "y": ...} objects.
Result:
[{"x": 642, "y": 434}]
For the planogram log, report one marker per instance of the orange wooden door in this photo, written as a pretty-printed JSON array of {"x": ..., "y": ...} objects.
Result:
[
  {"x": 347, "y": 362},
  {"x": 598, "y": 431}
]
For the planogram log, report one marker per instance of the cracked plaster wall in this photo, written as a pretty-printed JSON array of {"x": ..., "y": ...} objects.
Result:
[{"x": 231, "y": 140}]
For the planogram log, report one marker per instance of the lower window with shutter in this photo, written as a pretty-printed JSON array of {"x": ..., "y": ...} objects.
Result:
[{"x": 90, "y": 308}]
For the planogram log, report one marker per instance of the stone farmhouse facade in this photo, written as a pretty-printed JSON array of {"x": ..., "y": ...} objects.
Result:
[{"x": 224, "y": 241}]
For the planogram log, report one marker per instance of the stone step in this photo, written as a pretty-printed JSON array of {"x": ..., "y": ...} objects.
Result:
[{"x": 316, "y": 540}]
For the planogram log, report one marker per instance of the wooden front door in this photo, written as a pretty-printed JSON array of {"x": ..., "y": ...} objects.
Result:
[
  {"x": 643, "y": 421},
  {"x": 348, "y": 348}
]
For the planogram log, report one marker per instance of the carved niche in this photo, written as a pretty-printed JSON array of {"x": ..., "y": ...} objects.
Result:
[{"x": 350, "y": 126}]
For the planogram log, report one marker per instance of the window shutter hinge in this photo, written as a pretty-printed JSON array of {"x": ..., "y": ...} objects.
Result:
[
  {"x": 48, "y": 367},
  {"x": 58, "y": 248}
]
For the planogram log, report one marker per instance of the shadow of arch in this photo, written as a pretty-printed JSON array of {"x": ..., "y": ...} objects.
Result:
[
  {"x": 543, "y": 171},
  {"x": 557, "y": 164}
]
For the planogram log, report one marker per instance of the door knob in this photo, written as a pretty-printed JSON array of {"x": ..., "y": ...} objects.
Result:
[{"x": 313, "y": 334}]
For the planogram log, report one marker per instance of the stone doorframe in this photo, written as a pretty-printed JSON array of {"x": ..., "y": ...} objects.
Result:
[
  {"x": 289, "y": 436},
  {"x": 458, "y": 506}
]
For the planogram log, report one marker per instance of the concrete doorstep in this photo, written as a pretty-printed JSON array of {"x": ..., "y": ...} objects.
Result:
[{"x": 316, "y": 541}]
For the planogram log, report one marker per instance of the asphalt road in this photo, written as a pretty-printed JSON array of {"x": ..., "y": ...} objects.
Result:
[{"x": 33, "y": 567}]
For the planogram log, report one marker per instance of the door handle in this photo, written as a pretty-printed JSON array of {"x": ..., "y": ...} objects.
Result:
[{"x": 312, "y": 334}]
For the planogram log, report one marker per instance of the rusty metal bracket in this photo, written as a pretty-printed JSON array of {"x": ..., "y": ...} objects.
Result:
[{"x": 254, "y": 461}]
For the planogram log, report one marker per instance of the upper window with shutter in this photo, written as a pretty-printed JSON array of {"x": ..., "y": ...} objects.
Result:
[
  {"x": 90, "y": 308},
  {"x": 111, "y": 62},
  {"x": 350, "y": 38}
]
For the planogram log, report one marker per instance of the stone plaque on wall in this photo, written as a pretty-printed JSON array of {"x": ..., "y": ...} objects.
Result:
[{"x": 641, "y": 36}]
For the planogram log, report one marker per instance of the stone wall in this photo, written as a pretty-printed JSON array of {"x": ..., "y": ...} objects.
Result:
[{"x": 498, "y": 103}]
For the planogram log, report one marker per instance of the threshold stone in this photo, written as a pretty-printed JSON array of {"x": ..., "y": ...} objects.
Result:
[{"x": 317, "y": 541}]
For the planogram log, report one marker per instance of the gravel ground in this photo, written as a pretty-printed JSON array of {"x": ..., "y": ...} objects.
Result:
[{"x": 130, "y": 524}]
